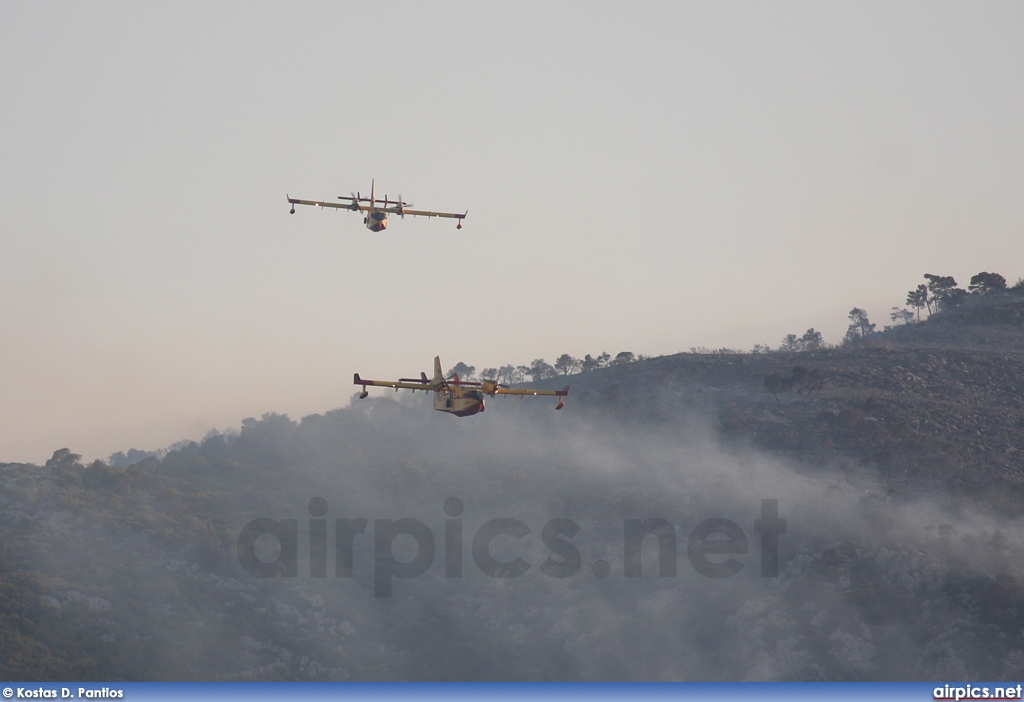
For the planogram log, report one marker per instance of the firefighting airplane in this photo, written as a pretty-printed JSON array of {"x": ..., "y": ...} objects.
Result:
[
  {"x": 376, "y": 219},
  {"x": 456, "y": 396}
]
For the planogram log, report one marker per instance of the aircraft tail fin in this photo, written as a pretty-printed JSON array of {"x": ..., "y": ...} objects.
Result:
[{"x": 438, "y": 375}]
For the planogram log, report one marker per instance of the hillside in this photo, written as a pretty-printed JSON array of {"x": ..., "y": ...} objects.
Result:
[
  {"x": 925, "y": 420},
  {"x": 895, "y": 465}
]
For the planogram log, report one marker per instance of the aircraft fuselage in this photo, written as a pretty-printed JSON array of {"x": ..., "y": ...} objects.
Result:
[
  {"x": 376, "y": 221},
  {"x": 462, "y": 404}
]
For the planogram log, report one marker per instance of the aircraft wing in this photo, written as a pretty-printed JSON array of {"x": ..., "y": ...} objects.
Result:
[
  {"x": 492, "y": 388},
  {"x": 425, "y": 213},
  {"x": 335, "y": 205},
  {"x": 396, "y": 384},
  {"x": 527, "y": 391}
]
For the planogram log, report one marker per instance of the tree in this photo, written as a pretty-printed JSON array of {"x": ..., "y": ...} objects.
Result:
[
  {"x": 944, "y": 292},
  {"x": 804, "y": 380},
  {"x": 623, "y": 357},
  {"x": 901, "y": 316},
  {"x": 567, "y": 365},
  {"x": 955, "y": 299},
  {"x": 761, "y": 348},
  {"x": 521, "y": 373},
  {"x": 124, "y": 460},
  {"x": 540, "y": 369},
  {"x": 63, "y": 458},
  {"x": 463, "y": 371},
  {"x": 859, "y": 327},
  {"x": 812, "y": 340},
  {"x": 790, "y": 343},
  {"x": 919, "y": 300},
  {"x": 775, "y": 383},
  {"x": 984, "y": 283},
  {"x": 489, "y": 374},
  {"x": 507, "y": 375}
]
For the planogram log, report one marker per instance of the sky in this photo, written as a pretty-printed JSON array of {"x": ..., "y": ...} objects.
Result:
[{"x": 647, "y": 177}]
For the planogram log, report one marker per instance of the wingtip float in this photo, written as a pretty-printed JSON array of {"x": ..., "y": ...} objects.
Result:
[{"x": 455, "y": 396}]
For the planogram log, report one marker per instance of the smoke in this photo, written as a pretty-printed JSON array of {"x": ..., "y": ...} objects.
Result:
[{"x": 868, "y": 586}]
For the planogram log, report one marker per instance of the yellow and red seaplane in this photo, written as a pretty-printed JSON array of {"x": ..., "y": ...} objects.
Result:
[{"x": 456, "y": 396}]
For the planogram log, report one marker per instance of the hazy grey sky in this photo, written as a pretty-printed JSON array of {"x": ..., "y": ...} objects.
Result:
[{"x": 644, "y": 177}]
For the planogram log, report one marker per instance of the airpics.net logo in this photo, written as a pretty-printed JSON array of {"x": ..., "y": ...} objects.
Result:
[
  {"x": 712, "y": 546},
  {"x": 958, "y": 693}
]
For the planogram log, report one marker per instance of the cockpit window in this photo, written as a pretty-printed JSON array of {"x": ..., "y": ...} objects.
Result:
[{"x": 380, "y": 216}]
